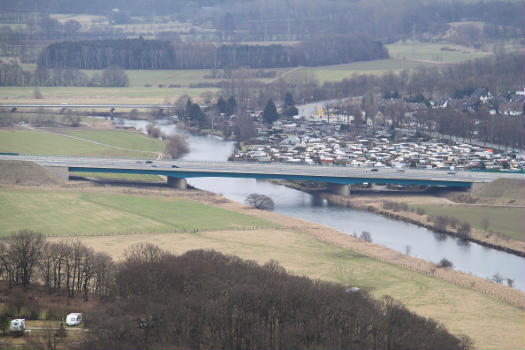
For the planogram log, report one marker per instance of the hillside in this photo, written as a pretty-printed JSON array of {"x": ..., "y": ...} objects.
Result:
[
  {"x": 14, "y": 172},
  {"x": 502, "y": 192}
]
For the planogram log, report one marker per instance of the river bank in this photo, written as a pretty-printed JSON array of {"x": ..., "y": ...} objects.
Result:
[{"x": 373, "y": 202}]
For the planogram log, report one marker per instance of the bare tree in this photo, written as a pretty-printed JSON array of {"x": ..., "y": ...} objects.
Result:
[
  {"x": 464, "y": 230},
  {"x": 25, "y": 248},
  {"x": 260, "y": 201},
  {"x": 176, "y": 146},
  {"x": 485, "y": 222},
  {"x": 366, "y": 236},
  {"x": 445, "y": 263},
  {"x": 143, "y": 253},
  {"x": 497, "y": 278},
  {"x": 153, "y": 131}
]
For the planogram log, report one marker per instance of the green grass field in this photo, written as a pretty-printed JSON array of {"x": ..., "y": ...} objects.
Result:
[
  {"x": 124, "y": 139},
  {"x": 508, "y": 221},
  {"x": 151, "y": 95},
  {"x": 41, "y": 143},
  {"x": 70, "y": 213}
]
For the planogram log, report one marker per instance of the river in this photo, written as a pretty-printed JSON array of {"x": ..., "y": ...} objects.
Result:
[{"x": 467, "y": 257}]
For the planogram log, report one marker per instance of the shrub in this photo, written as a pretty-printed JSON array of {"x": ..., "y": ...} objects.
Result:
[
  {"x": 464, "y": 230},
  {"x": 366, "y": 236},
  {"x": 445, "y": 263},
  {"x": 260, "y": 201}
]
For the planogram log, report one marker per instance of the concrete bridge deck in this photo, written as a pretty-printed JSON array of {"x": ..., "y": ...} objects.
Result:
[{"x": 339, "y": 175}]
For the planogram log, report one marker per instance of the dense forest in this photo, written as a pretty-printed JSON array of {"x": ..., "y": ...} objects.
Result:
[
  {"x": 157, "y": 54},
  {"x": 297, "y": 20}
]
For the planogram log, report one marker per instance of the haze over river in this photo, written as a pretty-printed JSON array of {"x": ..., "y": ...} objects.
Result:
[{"x": 467, "y": 257}]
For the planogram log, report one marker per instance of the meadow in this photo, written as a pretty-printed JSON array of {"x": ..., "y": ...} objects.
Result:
[
  {"x": 61, "y": 212},
  {"x": 42, "y": 143},
  {"x": 507, "y": 221}
]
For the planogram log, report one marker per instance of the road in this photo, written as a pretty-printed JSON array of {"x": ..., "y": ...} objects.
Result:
[
  {"x": 335, "y": 174},
  {"x": 67, "y": 105}
]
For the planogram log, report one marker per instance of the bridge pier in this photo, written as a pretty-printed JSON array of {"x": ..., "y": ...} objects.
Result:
[
  {"x": 342, "y": 190},
  {"x": 176, "y": 182}
]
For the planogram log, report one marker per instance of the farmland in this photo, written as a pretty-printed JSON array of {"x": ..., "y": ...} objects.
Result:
[
  {"x": 42, "y": 143},
  {"x": 77, "y": 213}
]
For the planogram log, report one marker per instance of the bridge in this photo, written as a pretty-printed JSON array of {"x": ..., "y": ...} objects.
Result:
[{"x": 337, "y": 177}]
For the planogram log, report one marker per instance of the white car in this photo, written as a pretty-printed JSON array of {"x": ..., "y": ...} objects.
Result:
[{"x": 74, "y": 319}]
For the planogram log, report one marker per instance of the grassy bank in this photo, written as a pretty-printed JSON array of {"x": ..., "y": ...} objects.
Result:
[{"x": 507, "y": 221}]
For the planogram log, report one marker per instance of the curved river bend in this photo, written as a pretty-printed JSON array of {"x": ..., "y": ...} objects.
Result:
[{"x": 467, "y": 257}]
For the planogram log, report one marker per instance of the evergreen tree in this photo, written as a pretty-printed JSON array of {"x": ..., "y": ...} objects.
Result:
[
  {"x": 230, "y": 106},
  {"x": 288, "y": 100},
  {"x": 221, "y": 105},
  {"x": 195, "y": 114},
  {"x": 187, "y": 109},
  {"x": 270, "y": 112},
  {"x": 289, "y": 106}
]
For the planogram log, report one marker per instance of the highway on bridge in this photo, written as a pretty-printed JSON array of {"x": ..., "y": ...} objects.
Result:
[{"x": 331, "y": 174}]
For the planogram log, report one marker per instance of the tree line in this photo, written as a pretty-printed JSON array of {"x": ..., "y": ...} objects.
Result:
[
  {"x": 64, "y": 268},
  {"x": 11, "y": 74},
  {"x": 273, "y": 20},
  {"x": 158, "y": 54}
]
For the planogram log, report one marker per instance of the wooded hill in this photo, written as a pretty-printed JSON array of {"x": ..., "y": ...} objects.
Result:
[
  {"x": 206, "y": 300},
  {"x": 158, "y": 54}
]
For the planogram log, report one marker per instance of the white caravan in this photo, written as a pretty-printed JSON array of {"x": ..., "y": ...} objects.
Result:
[
  {"x": 74, "y": 319},
  {"x": 18, "y": 325}
]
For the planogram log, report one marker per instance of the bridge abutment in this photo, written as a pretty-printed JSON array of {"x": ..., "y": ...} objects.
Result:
[
  {"x": 62, "y": 172},
  {"x": 476, "y": 186},
  {"x": 176, "y": 182},
  {"x": 342, "y": 190}
]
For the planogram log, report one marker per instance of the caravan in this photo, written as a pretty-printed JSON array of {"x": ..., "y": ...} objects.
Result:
[
  {"x": 74, "y": 319},
  {"x": 18, "y": 325}
]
